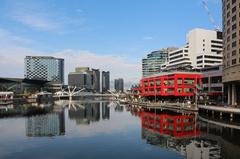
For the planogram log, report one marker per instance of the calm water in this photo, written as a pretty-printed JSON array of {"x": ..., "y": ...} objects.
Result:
[{"x": 108, "y": 130}]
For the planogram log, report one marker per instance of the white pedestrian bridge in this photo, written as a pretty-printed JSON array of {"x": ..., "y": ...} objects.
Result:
[{"x": 70, "y": 93}]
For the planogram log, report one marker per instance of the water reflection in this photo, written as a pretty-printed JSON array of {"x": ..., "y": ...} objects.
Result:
[
  {"x": 52, "y": 124},
  {"x": 86, "y": 113},
  {"x": 104, "y": 129},
  {"x": 119, "y": 108},
  {"x": 105, "y": 110},
  {"x": 178, "y": 132}
]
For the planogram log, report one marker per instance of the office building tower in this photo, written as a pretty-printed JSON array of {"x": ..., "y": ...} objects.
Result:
[
  {"x": 152, "y": 64},
  {"x": 96, "y": 79},
  {"x": 231, "y": 50},
  {"x": 105, "y": 81},
  {"x": 119, "y": 85},
  {"x": 44, "y": 68}
]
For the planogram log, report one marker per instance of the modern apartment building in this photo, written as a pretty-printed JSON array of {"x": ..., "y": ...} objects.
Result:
[
  {"x": 119, "y": 85},
  {"x": 203, "y": 49},
  {"x": 44, "y": 68},
  {"x": 231, "y": 49},
  {"x": 105, "y": 81},
  {"x": 152, "y": 64}
]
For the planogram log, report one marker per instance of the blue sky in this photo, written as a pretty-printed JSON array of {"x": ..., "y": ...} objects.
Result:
[{"x": 115, "y": 34}]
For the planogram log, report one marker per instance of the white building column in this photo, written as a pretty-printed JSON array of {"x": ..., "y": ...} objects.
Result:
[
  {"x": 229, "y": 94},
  {"x": 233, "y": 94}
]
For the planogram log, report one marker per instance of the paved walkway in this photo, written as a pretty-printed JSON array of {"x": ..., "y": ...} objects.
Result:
[{"x": 223, "y": 109}]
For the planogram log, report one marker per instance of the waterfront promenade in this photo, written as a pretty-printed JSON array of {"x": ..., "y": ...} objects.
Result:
[
  {"x": 165, "y": 105},
  {"x": 187, "y": 107}
]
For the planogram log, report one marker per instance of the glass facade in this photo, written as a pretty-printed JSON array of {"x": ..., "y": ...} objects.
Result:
[
  {"x": 152, "y": 63},
  {"x": 44, "y": 68},
  {"x": 119, "y": 85}
]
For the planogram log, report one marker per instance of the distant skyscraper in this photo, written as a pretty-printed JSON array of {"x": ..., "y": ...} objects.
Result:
[
  {"x": 231, "y": 49},
  {"x": 105, "y": 81},
  {"x": 96, "y": 79},
  {"x": 83, "y": 77},
  {"x": 152, "y": 64},
  {"x": 119, "y": 85},
  {"x": 44, "y": 68}
]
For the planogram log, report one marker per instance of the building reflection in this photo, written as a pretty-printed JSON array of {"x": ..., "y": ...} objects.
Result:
[
  {"x": 52, "y": 124},
  {"x": 85, "y": 113},
  {"x": 178, "y": 132},
  {"x": 226, "y": 136},
  {"x": 105, "y": 110},
  {"x": 119, "y": 108}
]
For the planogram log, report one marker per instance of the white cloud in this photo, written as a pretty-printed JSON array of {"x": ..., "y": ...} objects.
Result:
[
  {"x": 8, "y": 39},
  {"x": 38, "y": 21},
  {"x": 148, "y": 38}
]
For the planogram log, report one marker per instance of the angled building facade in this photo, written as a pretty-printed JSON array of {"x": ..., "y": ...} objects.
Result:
[{"x": 44, "y": 68}]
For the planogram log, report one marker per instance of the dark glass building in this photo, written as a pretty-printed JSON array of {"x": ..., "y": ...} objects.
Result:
[
  {"x": 119, "y": 85},
  {"x": 44, "y": 68},
  {"x": 83, "y": 77},
  {"x": 96, "y": 79},
  {"x": 105, "y": 81}
]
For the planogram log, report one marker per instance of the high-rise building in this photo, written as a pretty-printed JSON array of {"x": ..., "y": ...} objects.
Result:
[
  {"x": 44, "y": 68},
  {"x": 203, "y": 49},
  {"x": 152, "y": 64},
  {"x": 119, "y": 85},
  {"x": 81, "y": 80},
  {"x": 231, "y": 49},
  {"x": 105, "y": 81},
  {"x": 83, "y": 77},
  {"x": 96, "y": 79}
]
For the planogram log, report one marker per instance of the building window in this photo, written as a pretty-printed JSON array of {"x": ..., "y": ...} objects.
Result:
[
  {"x": 205, "y": 80},
  {"x": 151, "y": 83},
  {"x": 234, "y": 44},
  {"x": 234, "y": 61},
  {"x": 228, "y": 5},
  {"x": 234, "y": 35},
  {"x": 234, "y": 52},
  {"x": 228, "y": 30},
  {"x": 158, "y": 82},
  {"x": 228, "y": 22},
  {"x": 234, "y": 18},
  {"x": 234, "y": 26},
  {"x": 234, "y": 9},
  {"x": 179, "y": 81}
]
